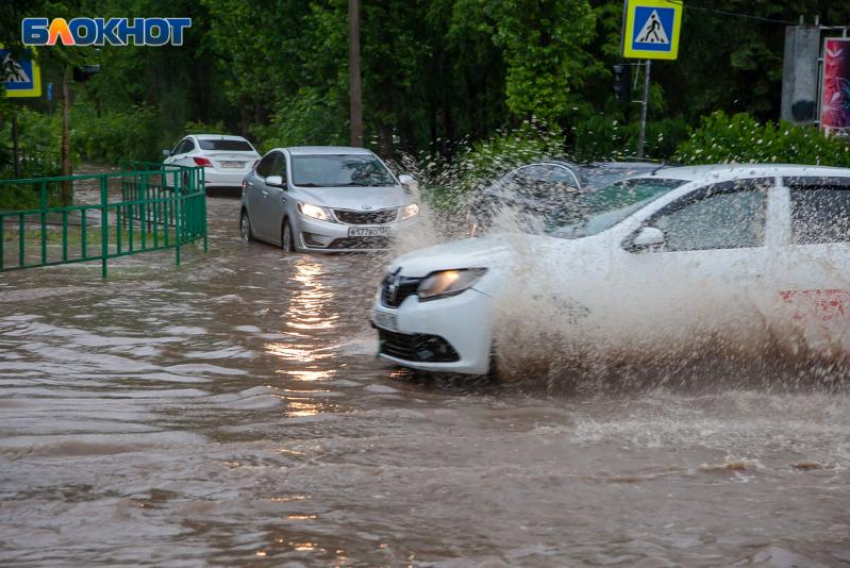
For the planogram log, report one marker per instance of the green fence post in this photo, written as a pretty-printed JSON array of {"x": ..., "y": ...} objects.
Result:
[
  {"x": 177, "y": 212},
  {"x": 43, "y": 200},
  {"x": 64, "y": 235},
  {"x": 21, "y": 236},
  {"x": 104, "y": 226}
]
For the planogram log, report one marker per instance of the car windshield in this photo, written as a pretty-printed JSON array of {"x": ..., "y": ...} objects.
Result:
[
  {"x": 600, "y": 210},
  {"x": 343, "y": 170},
  {"x": 226, "y": 145}
]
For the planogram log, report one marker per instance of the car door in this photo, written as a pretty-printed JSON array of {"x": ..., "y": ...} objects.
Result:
[
  {"x": 275, "y": 199},
  {"x": 176, "y": 153},
  {"x": 815, "y": 263},
  {"x": 709, "y": 280},
  {"x": 257, "y": 196}
]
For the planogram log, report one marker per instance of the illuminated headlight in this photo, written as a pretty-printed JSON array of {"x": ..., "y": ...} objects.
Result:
[
  {"x": 409, "y": 211},
  {"x": 449, "y": 283},
  {"x": 314, "y": 211}
]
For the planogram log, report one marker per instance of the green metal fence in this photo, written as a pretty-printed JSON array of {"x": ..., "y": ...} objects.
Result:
[{"x": 144, "y": 207}]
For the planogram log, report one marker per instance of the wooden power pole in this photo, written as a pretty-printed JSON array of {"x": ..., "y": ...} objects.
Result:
[
  {"x": 66, "y": 141},
  {"x": 355, "y": 86}
]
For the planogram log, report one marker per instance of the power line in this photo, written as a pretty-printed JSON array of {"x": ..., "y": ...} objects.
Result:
[{"x": 733, "y": 14}]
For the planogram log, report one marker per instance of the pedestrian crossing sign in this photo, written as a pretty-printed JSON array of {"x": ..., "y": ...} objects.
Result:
[
  {"x": 21, "y": 77},
  {"x": 651, "y": 29}
]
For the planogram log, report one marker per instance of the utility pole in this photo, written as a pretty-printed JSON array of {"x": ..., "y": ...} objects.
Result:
[
  {"x": 643, "y": 105},
  {"x": 66, "y": 142},
  {"x": 355, "y": 87}
]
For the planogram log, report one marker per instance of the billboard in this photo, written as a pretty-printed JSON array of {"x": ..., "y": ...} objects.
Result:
[{"x": 835, "y": 87}]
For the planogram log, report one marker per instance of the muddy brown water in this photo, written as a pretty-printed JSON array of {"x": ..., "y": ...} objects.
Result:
[{"x": 232, "y": 412}]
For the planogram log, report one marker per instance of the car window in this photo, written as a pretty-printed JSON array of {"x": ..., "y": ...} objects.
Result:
[
  {"x": 189, "y": 145},
  {"x": 531, "y": 175},
  {"x": 563, "y": 177},
  {"x": 267, "y": 164},
  {"x": 228, "y": 145},
  {"x": 278, "y": 167},
  {"x": 340, "y": 170},
  {"x": 720, "y": 216},
  {"x": 600, "y": 210},
  {"x": 180, "y": 148},
  {"x": 820, "y": 210}
]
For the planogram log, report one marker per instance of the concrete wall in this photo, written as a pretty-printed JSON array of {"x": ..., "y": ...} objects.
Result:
[{"x": 800, "y": 74}]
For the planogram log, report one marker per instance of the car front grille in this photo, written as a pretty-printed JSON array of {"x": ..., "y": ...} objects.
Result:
[
  {"x": 417, "y": 347},
  {"x": 405, "y": 288},
  {"x": 366, "y": 217},
  {"x": 354, "y": 243}
]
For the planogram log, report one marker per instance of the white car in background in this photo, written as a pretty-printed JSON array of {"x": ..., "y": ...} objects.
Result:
[
  {"x": 687, "y": 260},
  {"x": 225, "y": 159}
]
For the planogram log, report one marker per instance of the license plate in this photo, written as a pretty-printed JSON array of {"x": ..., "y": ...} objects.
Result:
[
  {"x": 368, "y": 231},
  {"x": 386, "y": 320},
  {"x": 232, "y": 164}
]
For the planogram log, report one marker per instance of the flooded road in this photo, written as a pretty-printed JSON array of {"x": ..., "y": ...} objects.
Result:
[{"x": 232, "y": 412}]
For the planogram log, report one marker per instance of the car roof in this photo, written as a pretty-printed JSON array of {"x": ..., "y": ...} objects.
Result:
[
  {"x": 217, "y": 137},
  {"x": 732, "y": 171},
  {"x": 328, "y": 150}
]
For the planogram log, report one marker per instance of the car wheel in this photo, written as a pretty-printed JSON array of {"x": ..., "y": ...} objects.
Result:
[
  {"x": 245, "y": 227},
  {"x": 286, "y": 237}
]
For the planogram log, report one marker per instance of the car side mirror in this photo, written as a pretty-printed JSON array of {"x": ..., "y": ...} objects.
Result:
[
  {"x": 648, "y": 239},
  {"x": 408, "y": 182},
  {"x": 166, "y": 153},
  {"x": 276, "y": 181}
]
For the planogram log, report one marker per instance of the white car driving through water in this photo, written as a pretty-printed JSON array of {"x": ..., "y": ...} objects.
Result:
[
  {"x": 325, "y": 199},
  {"x": 225, "y": 159},
  {"x": 689, "y": 260}
]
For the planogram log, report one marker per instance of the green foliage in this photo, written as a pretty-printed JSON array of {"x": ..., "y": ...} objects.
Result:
[
  {"x": 543, "y": 45},
  {"x": 198, "y": 127},
  {"x": 116, "y": 136},
  {"x": 436, "y": 75},
  {"x": 601, "y": 137},
  {"x": 307, "y": 119},
  {"x": 742, "y": 139}
]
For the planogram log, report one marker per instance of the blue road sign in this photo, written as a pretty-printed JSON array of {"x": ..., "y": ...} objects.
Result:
[
  {"x": 651, "y": 29},
  {"x": 21, "y": 76}
]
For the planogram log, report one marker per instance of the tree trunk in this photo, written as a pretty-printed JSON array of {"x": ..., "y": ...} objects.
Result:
[
  {"x": 66, "y": 142},
  {"x": 355, "y": 87}
]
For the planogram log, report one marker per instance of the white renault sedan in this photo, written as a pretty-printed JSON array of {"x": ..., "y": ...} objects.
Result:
[
  {"x": 225, "y": 159},
  {"x": 686, "y": 260}
]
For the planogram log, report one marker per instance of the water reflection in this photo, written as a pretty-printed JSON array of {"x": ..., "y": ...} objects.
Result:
[{"x": 313, "y": 306}]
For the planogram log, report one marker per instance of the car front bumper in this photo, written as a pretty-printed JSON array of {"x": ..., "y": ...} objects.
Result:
[
  {"x": 464, "y": 322},
  {"x": 315, "y": 235}
]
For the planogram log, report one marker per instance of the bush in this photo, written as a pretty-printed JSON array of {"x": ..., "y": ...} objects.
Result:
[
  {"x": 114, "y": 137},
  {"x": 741, "y": 139},
  {"x": 604, "y": 138},
  {"x": 307, "y": 119}
]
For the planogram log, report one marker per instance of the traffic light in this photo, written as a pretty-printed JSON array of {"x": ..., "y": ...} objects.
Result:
[
  {"x": 85, "y": 72},
  {"x": 623, "y": 83}
]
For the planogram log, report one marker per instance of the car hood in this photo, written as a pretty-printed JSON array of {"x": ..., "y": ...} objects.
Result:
[
  {"x": 357, "y": 198},
  {"x": 488, "y": 252}
]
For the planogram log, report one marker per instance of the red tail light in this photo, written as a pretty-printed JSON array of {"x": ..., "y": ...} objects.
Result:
[{"x": 203, "y": 162}]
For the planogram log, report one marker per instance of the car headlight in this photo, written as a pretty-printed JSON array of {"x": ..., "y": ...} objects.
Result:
[
  {"x": 449, "y": 282},
  {"x": 409, "y": 211},
  {"x": 314, "y": 211}
]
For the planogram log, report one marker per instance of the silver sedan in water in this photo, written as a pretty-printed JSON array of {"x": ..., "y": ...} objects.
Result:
[{"x": 325, "y": 199}]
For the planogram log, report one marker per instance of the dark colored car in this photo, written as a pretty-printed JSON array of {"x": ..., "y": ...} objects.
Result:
[{"x": 533, "y": 196}]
